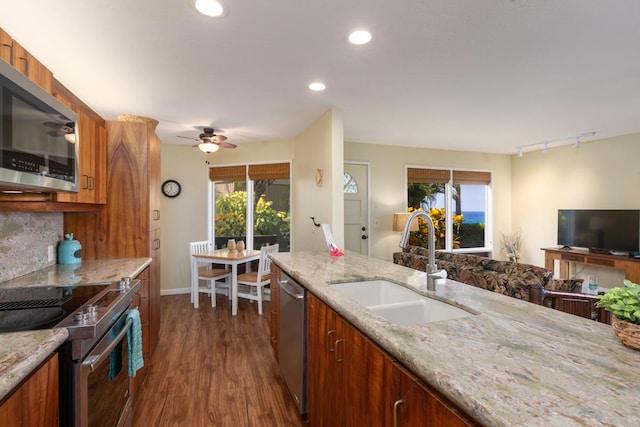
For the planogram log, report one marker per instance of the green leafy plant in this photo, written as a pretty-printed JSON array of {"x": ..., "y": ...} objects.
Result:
[
  {"x": 624, "y": 303},
  {"x": 231, "y": 220}
]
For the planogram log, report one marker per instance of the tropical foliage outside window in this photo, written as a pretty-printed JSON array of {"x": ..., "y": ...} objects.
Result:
[
  {"x": 464, "y": 193},
  {"x": 265, "y": 201}
]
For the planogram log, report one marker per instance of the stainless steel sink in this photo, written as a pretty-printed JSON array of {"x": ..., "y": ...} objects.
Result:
[{"x": 398, "y": 304}]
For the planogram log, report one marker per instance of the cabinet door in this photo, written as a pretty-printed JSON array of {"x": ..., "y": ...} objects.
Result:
[
  {"x": 154, "y": 290},
  {"x": 325, "y": 380},
  {"x": 23, "y": 61},
  {"x": 275, "y": 310},
  {"x": 6, "y": 47},
  {"x": 154, "y": 179},
  {"x": 141, "y": 301},
  {"x": 368, "y": 372},
  {"x": 92, "y": 152},
  {"x": 35, "y": 402},
  {"x": 415, "y": 405}
]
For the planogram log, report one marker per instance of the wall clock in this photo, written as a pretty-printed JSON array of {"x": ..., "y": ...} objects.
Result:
[{"x": 171, "y": 188}]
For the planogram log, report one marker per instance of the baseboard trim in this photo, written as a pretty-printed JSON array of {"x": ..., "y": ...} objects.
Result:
[{"x": 175, "y": 291}]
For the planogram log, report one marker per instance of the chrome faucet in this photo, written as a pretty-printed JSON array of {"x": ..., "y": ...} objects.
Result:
[{"x": 432, "y": 269}]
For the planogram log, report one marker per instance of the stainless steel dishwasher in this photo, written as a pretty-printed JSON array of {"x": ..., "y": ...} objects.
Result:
[{"x": 293, "y": 339}]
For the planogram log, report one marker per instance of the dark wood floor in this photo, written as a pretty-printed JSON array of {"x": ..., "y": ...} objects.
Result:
[{"x": 214, "y": 369}]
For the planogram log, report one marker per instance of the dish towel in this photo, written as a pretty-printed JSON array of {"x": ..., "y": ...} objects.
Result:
[{"x": 134, "y": 342}]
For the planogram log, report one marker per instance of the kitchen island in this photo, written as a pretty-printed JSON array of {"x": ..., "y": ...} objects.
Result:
[
  {"x": 511, "y": 363},
  {"x": 22, "y": 352}
]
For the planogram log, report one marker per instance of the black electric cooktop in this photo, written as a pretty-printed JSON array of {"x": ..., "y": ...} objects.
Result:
[{"x": 41, "y": 307}]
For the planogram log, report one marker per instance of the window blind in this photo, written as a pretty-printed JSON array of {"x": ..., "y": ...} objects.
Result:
[
  {"x": 269, "y": 171},
  {"x": 428, "y": 176},
  {"x": 228, "y": 173}
]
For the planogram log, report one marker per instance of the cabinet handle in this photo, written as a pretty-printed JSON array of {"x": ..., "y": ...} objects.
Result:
[
  {"x": 86, "y": 182},
  {"x": 26, "y": 65},
  {"x": 156, "y": 214},
  {"x": 338, "y": 358},
  {"x": 156, "y": 244},
  {"x": 329, "y": 335},
  {"x": 92, "y": 183},
  {"x": 396, "y": 405},
  {"x": 273, "y": 339},
  {"x": 10, "y": 46}
]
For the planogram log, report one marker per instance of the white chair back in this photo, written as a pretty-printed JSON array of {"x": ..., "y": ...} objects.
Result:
[{"x": 264, "y": 265}]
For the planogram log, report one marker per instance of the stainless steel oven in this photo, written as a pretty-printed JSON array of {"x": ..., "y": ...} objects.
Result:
[
  {"x": 93, "y": 362},
  {"x": 102, "y": 381}
]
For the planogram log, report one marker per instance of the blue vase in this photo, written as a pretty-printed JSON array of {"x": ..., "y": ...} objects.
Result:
[{"x": 69, "y": 251}]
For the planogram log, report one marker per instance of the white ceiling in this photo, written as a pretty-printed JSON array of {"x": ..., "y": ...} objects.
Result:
[{"x": 479, "y": 75}]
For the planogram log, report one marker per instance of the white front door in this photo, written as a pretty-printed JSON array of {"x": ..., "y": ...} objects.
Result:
[{"x": 356, "y": 211}]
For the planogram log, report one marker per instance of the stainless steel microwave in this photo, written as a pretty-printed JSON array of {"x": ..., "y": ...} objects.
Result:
[{"x": 38, "y": 137}]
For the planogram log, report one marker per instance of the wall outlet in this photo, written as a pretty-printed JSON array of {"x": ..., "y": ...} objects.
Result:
[{"x": 51, "y": 254}]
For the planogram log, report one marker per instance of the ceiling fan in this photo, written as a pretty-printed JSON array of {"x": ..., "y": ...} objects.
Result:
[{"x": 209, "y": 142}]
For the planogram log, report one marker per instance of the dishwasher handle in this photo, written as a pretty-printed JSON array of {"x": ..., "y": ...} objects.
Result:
[{"x": 286, "y": 287}]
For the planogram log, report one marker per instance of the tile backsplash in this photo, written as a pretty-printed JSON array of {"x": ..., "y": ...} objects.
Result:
[{"x": 25, "y": 238}]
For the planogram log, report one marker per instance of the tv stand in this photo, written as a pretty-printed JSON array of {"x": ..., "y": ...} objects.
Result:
[
  {"x": 600, "y": 251},
  {"x": 630, "y": 266}
]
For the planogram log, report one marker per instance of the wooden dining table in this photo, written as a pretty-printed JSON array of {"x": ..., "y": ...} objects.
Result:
[{"x": 233, "y": 259}]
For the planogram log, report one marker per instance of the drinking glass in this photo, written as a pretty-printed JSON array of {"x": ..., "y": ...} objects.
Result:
[{"x": 592, "y": 283}]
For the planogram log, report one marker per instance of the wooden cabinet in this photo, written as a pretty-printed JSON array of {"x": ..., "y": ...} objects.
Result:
[
  {"x": 92, "y": 151},
  {"x": 630, "y": 266},
  {"x": 352, "y": 382},
  {"x": 35, "y": 402},
  {"x": 413, "y": 403},
  {"x": 141, "y": 302},
  {"x": 128, "y": 226},
  {"x": 23, "y": 61},
  {"x": 275, "y": 309}
]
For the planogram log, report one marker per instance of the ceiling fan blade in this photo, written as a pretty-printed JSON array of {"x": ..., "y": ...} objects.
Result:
[
  {"x": 56, "y": 133},
  {"x": 218, "y": 138},
  {"x": 195, "y": 145},
  {"x": 188, "y": 137},
  {"x": 226, "y": 144}
]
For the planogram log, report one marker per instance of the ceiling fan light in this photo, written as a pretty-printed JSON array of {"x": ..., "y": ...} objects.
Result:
[
  {"x": 70, "y": 138},
  {"x": 213, "y": 8},
  {"x": 208, "y": 147}
]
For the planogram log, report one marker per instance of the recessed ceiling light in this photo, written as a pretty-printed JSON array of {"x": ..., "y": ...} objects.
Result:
[
  {"x": 317, "y": 86},
  {"x": 360, "y": 37},
  {"x": 212, "y": 8}
]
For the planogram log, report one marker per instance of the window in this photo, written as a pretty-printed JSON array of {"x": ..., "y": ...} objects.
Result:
[
  {"x": 458, "y": 204},
  {"x": 251, "y": 194},
  {"x": 350, "y": 185}
]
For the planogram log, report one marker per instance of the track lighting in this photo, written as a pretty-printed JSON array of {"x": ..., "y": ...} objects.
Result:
[{"x": 545, "y": 144}]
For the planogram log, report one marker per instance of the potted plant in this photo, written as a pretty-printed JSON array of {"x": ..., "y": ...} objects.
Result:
[
  {"x": 511, "y": 245},
  {"x": 624, "y": 305}
]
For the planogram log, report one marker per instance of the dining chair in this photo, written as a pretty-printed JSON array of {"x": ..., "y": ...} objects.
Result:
[
  {"x": 218, "y": 280},
  {"x": 255, "y": 281}
]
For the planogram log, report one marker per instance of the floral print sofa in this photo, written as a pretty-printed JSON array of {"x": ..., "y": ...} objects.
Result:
[{"x": 522, "y": 281}]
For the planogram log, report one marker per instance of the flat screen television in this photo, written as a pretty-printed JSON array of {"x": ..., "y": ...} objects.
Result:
[{"x": 600, "y": 230}]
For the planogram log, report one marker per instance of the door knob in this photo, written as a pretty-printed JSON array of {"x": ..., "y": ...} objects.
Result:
[{"x": 364, "y": 237}]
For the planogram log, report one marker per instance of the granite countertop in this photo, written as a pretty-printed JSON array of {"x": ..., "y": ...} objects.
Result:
[
  {"x": 512, "y": 364},
  {"x": 88, "y": 271},
  {"x": 22, "y": 352}
]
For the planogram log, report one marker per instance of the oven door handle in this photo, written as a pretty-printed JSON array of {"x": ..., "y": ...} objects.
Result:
[{"x": 95, "y": 360}]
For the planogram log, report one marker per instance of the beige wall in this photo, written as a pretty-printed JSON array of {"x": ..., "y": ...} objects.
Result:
[
  {"x": 184, "y": 218},
  {"x": 320, "y": 146},
  {"x": 602, "y": 174},
  {"x": 388, "y": 185}
]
